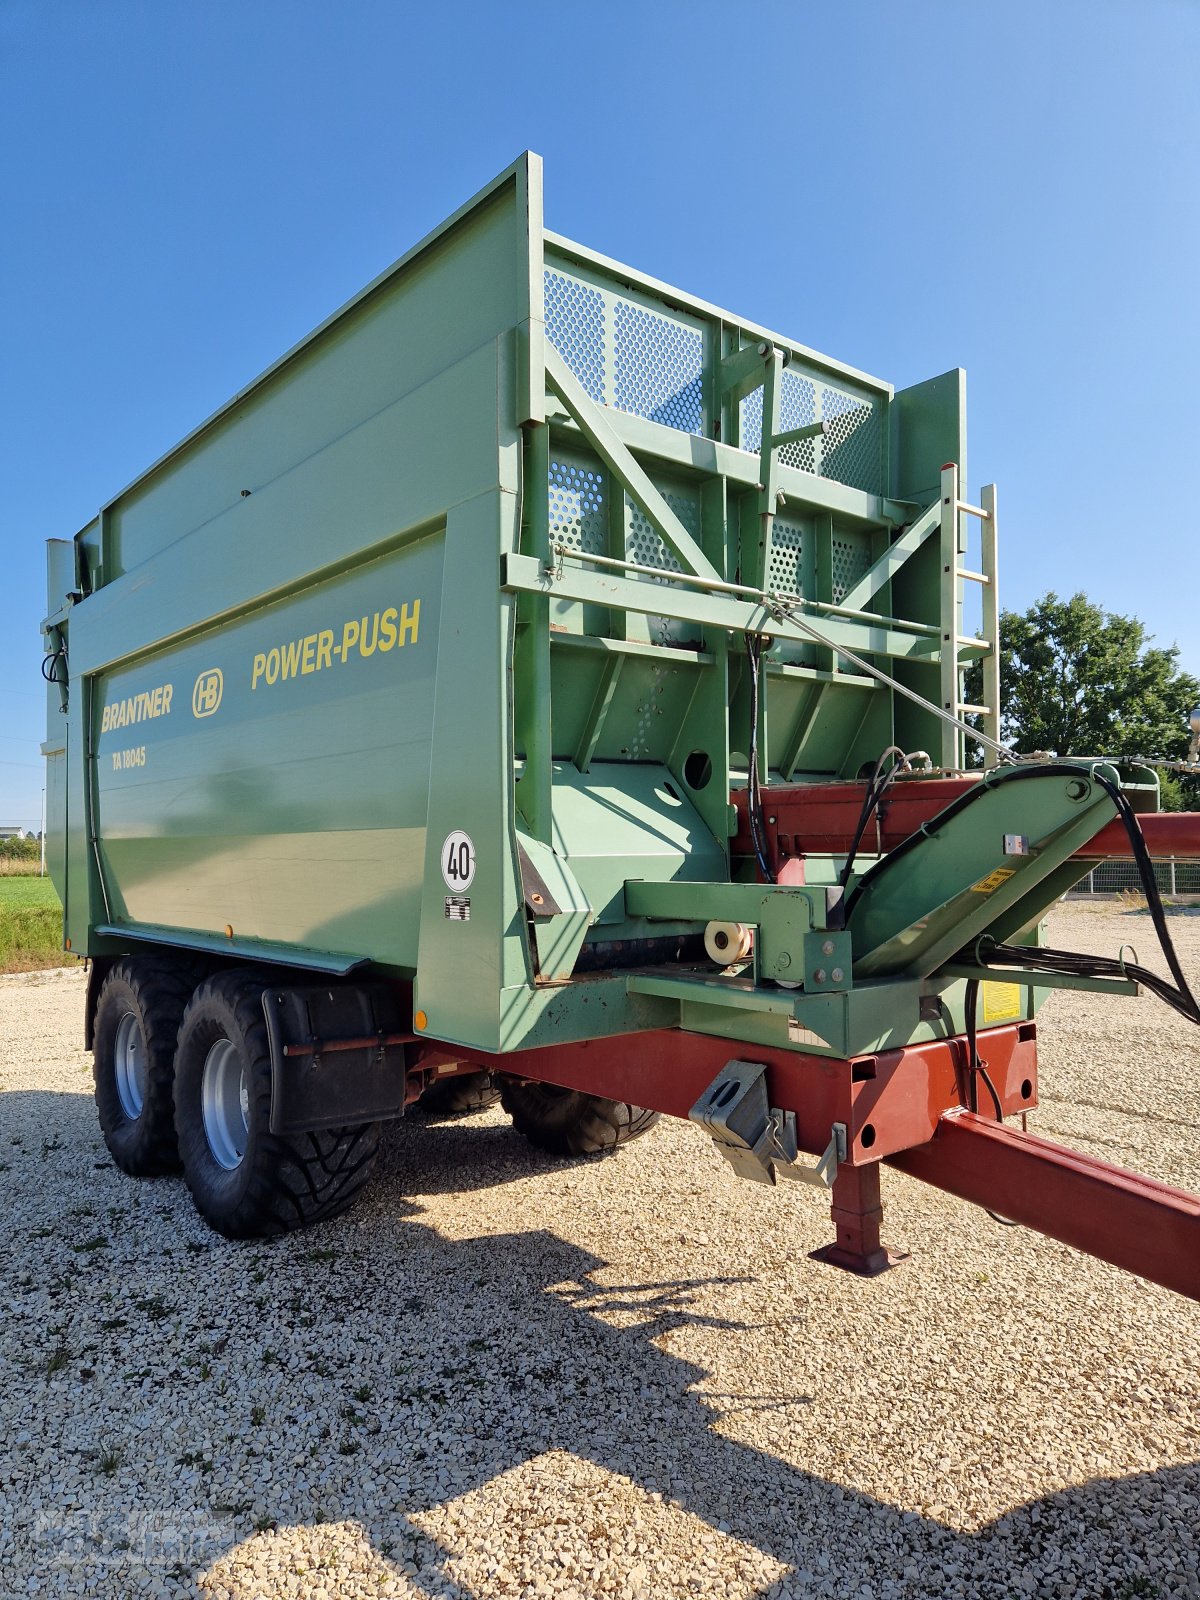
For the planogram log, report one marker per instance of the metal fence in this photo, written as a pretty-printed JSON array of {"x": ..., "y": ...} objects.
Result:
[{"x": 1174, "y": 877}]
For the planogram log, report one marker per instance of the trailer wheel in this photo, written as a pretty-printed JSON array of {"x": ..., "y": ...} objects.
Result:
[
  {"x": 247, "y": 1182},
  {"x": 137, "y": 1020},
  {"x": 567, "y": 1122},
  {"x": 464, "y": 1091}
]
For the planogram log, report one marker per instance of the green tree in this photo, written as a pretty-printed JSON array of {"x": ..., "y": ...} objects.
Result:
[{"x": 1078, "y": 680}]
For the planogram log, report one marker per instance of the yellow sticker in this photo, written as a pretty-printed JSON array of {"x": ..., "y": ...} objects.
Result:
[
  {"x": 993, "y": 880},
  {"x": 1002, "y": 1002}
]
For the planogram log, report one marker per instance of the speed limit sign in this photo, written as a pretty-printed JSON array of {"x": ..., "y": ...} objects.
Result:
[{"x": 458, "y": 861}]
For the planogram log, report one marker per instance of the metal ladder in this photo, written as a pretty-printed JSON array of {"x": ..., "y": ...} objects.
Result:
[{"x": 954, "y": 642}]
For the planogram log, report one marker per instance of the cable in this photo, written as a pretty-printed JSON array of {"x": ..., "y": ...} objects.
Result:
[
  {"x": 970, "y": 1010},
  {"x": 778, "y": 606},
  {"x": 50, "y": 665},
  {"x": 880, "y": 782},
  {"x": 758, "y": 832},
  {"x": 977, "y": 1068},
  {"x": 1179, "y": 995}
]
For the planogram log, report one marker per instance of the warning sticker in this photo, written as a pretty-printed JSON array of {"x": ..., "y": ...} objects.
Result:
[
  {"x": 993, "y": 880},
  {"x": 1002, "y": 1002},
  {"x": 458, "y": 907}
]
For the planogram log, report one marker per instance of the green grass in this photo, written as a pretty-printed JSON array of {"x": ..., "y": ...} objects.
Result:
[
  {"x": 23, "y": 892},
  {"x": 30, "y": 925}
]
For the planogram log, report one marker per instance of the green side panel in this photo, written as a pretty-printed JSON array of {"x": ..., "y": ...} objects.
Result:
[
  {"x": 287, "y": 797},
  {"x": 398, "y": 471},
  {"x": 270, "y": 776}
]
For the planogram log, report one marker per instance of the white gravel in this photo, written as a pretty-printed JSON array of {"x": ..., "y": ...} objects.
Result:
[{"x": 502, "y": 1375}]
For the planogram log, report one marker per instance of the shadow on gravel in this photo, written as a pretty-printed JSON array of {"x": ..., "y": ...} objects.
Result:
[{"x": 595, "y": 1393}]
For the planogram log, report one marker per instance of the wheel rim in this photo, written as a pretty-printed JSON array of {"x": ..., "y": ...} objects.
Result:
[
  {"x": 129, "y": 1052},
  {"x": 225, "y": 1104}
]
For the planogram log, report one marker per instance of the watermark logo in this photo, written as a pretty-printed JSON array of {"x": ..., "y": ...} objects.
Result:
[{"x": 206, "y": 695}]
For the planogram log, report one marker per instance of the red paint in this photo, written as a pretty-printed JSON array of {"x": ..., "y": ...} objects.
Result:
[
  {"x": 857, "y": 1212},
  {"x": 888, "y": 1101},
  {"x": 821, "y": 819},
  {"x": 1137, "y": 1223}
]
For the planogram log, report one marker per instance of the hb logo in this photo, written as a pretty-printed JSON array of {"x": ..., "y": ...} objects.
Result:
[{"x": 206, "y": 695}]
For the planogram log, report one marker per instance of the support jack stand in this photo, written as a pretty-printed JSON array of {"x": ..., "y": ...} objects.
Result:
[{"x": 857, "y": 1212}]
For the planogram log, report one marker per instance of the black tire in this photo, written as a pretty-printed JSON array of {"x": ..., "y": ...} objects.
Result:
[
  {"x": 567, "y": 1122},
  {"x": 464, "y": 1091},
  {"x": 138, "y": 1015},
  {"x": 278, "y": 1182}
]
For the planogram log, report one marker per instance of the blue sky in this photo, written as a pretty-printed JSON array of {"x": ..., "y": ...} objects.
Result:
[{"x": 189, "y": 186}]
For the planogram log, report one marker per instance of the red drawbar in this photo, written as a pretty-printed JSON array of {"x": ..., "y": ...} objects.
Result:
[
  {"x": 905, "y": 1107},
  {"x": 1137, "y": 1223}
]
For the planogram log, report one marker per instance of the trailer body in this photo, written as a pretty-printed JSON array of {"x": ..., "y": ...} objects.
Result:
[{"x": 453, "y": 665}]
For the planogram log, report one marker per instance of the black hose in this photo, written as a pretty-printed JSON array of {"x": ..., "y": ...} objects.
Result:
[
  {"x": 877, "y": 786},
  {"x": 976, "y": 1066},
  {"x": 758, "y": 832},
  {"x": 1178, "y": 996}
]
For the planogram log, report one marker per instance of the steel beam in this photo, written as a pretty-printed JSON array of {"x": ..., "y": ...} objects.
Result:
[
  {"x": 820, "y": 819},
  {"x": 1136, "y": 1223},
  {"x": 710, "y": 610},
  {"x": 893, "y": 558},
  {"x": 888, "y": 1102},
  {"x": 620, "y": 461}
]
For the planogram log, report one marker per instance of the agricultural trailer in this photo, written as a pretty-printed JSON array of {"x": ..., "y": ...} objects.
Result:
[{"x": 540, "y": 680}]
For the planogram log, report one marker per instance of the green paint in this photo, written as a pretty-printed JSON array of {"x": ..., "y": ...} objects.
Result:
[{"x": 362, "y": 613}]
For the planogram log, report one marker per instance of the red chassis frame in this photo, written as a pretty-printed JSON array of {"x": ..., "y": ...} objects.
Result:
[
  {"x": 906, "y": 1107},
  {"x": 821, "y": 818}
]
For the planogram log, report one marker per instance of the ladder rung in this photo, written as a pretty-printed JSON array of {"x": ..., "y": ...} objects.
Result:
[
  {"x": 980, "y": 711},
  {"x": 975, "y": 577},
  {"x": 975, "y": 511}
]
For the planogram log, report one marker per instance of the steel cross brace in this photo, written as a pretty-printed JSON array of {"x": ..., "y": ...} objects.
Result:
[{"x": 620, "y": 461}]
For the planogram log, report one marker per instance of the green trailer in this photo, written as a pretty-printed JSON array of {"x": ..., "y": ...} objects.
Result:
[{"x": 542, "y": 679}]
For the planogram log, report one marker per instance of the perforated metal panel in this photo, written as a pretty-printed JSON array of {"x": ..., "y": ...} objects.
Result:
[
  {"x": 644, "y": 544},
  {"x": 785, "y": 567},
  {"x": 659, "y": 368},
  {"x": 577, "y": 514},
  {"x": 575, "y": 324},
  {"x": 649, "y": 360},
  {"x": 850, "y": 452},
  {"x": 797, "y": 408},
  {"x": 851, "y": 558},
  {"x": 633, "y": 357}
]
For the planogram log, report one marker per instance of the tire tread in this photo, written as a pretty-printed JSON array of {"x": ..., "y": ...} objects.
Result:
[
  {"x": 296, "y": 1180},
  {"x": 161, "y": 989},
  {"x": 570, "y": 1122}
]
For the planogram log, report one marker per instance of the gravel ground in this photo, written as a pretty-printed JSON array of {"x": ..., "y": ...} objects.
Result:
[{"x": 504, "y": 1375}]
